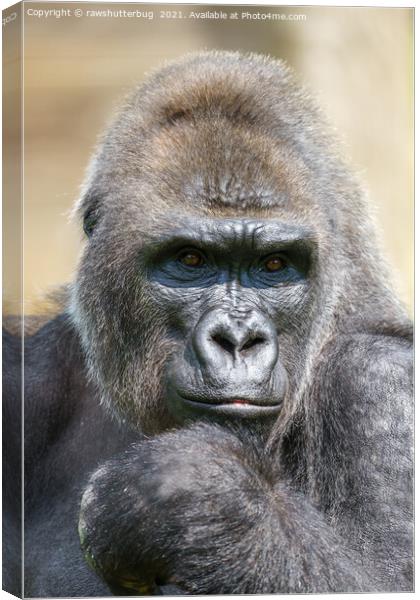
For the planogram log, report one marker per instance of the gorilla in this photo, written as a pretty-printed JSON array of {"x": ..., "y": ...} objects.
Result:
[{"x": 223, "y": 403}]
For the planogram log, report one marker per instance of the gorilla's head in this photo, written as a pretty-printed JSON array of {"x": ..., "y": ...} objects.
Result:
[{"x": 226, "y": 243}]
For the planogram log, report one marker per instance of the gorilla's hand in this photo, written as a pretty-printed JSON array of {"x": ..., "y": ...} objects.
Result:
[
  {"x": 171, "y": 510},
  {"x": 201, "y": 509}
]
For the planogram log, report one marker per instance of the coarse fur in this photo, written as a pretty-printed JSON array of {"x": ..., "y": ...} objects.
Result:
[{"x": 318, "y": 498}]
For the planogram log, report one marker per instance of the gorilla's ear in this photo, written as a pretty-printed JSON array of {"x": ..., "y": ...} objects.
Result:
[
  {"x": 88, "y": 209},
  {"x": 89, "y": 221}
]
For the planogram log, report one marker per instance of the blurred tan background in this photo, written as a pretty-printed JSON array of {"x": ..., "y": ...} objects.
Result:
[{"x": 357, "y": 61}]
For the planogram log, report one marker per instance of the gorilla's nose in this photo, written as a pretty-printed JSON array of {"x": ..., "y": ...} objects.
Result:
[
  {"x": 231, "y": 341},
  {"x": 236, "y": 336}
]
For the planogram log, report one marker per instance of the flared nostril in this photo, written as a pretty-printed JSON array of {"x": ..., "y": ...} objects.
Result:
[
  {"x": 239, "y": 346},
  {"x": 224, "y": 343},
  {"x": 252, "y": 343}
]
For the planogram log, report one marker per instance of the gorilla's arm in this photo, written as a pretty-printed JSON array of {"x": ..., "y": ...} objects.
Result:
[
  {"x": 206, "y": 508},
  {"x": 359, "y": 449},
  {"x": 203, "y": 509}
]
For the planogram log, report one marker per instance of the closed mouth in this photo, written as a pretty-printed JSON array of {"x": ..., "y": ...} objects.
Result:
[
  {"x": 232, "y": 406},
  {"x": 229, "y": 401}
]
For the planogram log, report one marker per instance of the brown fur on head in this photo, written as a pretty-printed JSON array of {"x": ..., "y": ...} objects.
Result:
[{"x": 217, "y": 134}]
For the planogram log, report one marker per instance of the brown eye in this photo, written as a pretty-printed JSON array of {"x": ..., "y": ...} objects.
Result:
[
  {"x": 190, "y": 258},
  {"x": 273, "y": 264}
]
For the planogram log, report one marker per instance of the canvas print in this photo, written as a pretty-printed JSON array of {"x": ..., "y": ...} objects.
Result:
[{"x": 207, "y": 379}]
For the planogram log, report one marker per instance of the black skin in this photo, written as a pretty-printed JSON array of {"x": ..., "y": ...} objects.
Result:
[
  {"x": 210, "y": 275},
  {"x": 224, "y": 404}
]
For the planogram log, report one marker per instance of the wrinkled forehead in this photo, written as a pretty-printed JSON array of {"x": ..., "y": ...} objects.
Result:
[{"x": 229, "y": 232}]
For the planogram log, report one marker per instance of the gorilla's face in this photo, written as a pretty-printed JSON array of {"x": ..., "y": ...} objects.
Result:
[
  {"x": 234, "y": 289},
  {"x": 207, "y": 317},
  {"x": 195, "y": 295}
]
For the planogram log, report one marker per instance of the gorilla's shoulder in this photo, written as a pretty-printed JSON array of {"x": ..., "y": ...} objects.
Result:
[
  {"x": 55, "y": 371},
  {"x": 51, "y": 351},
  {"x": 369, "y": 349},
  {"x": 56, "y": 383},
  {"x": 54, "y": 367},
  {"x": 53, "y": 343},
  {"x": 368, "y": 366}
]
